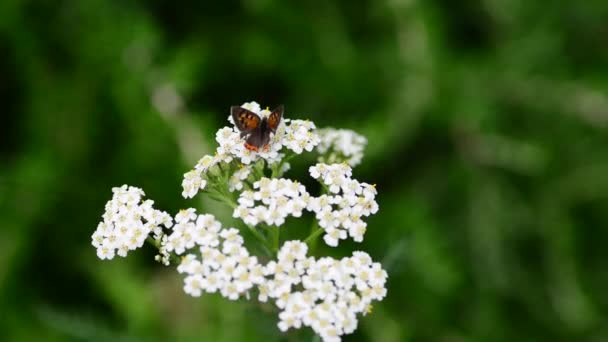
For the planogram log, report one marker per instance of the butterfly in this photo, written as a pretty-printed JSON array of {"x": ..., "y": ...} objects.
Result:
[{"x": 256, "y": 129}]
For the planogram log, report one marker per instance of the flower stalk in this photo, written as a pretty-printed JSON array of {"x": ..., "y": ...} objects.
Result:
[
  {"x": 275, "y": 232},
  {"x": 311, "y": 240}
]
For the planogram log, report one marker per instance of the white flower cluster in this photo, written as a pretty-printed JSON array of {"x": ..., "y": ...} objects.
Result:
[
  {"x": 295, "y": 135},
  {"x": 236, "y": 180},
  {"x": 196, "y": 179},
  {"x": 338, "y": 145},
  {"x": 225, "y": 267},
  {"x": 299, "y": 136},
  {"x": 127, "y": 222},
  {"x": 272, "y": 201},
  {"x": 339, "y": 213},
  {"x": 191, "y": 230},
  {"x": 231, "y": 143},
  {"x": 325, "y": 294}
]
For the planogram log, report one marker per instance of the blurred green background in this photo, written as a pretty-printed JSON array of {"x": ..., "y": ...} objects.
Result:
[{"x": 486, "y": 122}]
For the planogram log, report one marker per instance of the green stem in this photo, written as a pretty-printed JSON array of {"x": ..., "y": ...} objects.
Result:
[
  {"x": 261, "y": 238},
  {"x": 174, "y": 259},
  {"x": 275, "y": 238},
  {"x": 230, "y": 202},
  {"x": 315, "y": 230},
  {"x": 311, "y": 240},
  {"x": 225, "y": 198},
  {"x": 153, "y": 242},
  {"x": 220, "y": 195},
  {"x": 258, "y": 169},
  {"x": 324, "y": 188},
  {"x": 276, "y": 171}
]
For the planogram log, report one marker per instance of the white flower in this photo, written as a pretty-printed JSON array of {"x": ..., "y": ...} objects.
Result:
[
  {"x": 185, "y": 215},
  {"x": 193, "y": 285},
  {"x": 357, "y": 230},
  {"x": 225, "y": 265},
  {"x": 191, "y": 230},
  {"x": 294, "y": 135},
  {"x": 195, "y": 180},
  {"x": 272, "y": 201},
  {"x": 127, "y": 222},
  {"x": 236, "y": 180},
  {"x": 324, "y": 294},
  {"x": 291, "y": 135},
  {"x": 341, "y": 145},
  {"x": 300, "y": 135},
  {"x": 340, "y": 214},
  {"x": 333, "y": 236}
]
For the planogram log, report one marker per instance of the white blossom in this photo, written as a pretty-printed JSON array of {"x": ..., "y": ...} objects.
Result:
[
  {"x": 291, "y": 136},
  {"x": 325, "y": 294},
  {"x": 236, "y": 180},
  {"x": 196, "y": 179},
  {"x": 295, "y": 135},
  {"x": 224, "y": 266},
  {"x": 272, "y": 201},
  {"x": 300, "y": 136},
  {"x": 338, "y": 145},
  {"x": 340, "y": 212},
  {"x": 127, "y": 222}
]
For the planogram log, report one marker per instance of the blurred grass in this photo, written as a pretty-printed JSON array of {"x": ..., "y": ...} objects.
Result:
[{"x": 487, "y": 127}]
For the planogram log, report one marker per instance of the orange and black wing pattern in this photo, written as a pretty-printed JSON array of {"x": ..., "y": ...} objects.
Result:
[
  {"x": 274, "y": 119},
  {"x": 246, "y": 120}
]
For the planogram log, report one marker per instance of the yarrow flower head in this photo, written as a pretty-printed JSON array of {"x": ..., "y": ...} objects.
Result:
[
  {"x": 292, "y": 137},
  {"x": 127, "y": 222},
  {"x": 216, "y": 261},
  {"x": 196, "y": 179},
  {"x": 325, "y": 294},
  {"x": 247, "y": 174},
  {"x": 235, "y": 183},
  {"x": 340, "y": 211},
  {"x": 340, "y": 145},
  {"x": 272, "y": 201}
]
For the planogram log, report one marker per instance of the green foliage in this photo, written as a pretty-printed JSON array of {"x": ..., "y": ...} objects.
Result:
[{"x": 486, "y": 123}]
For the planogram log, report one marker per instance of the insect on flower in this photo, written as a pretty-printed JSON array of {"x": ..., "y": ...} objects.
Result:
[
  {"x": 256, "y": 129},
  {"x": 326, "y": 294}
]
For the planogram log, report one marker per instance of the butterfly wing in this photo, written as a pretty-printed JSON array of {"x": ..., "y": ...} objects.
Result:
[
  {"x": 256, "y": 139},
  {"x": 246, "y": 120},
  {"x": 274, "y": 119}
]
